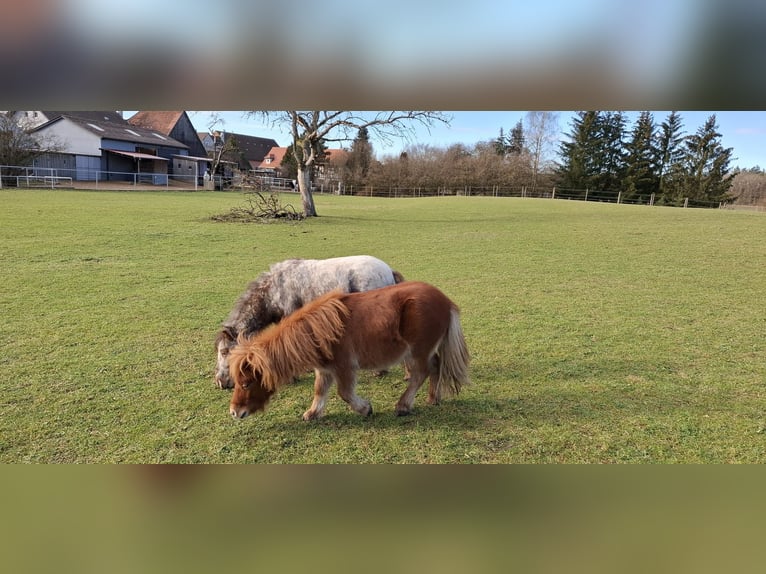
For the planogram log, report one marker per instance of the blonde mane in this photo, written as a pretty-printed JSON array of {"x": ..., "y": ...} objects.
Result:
[{"x": 302, "y": 341}]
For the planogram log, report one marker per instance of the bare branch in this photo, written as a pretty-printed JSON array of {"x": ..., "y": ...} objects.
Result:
[{"x": 310, "y": 128}]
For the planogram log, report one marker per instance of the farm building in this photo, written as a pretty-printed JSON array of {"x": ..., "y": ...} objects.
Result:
[
  {"x": 177, "y": 125},
  {"x": 107, "y": 148}
]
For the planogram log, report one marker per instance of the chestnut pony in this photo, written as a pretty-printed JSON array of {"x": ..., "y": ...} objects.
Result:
[{"x": 339, "y": 333}]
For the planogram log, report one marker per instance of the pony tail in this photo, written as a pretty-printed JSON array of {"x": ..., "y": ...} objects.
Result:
[
  {"x": 398, "y": 277},
  {"x": 453, "y": 357}
]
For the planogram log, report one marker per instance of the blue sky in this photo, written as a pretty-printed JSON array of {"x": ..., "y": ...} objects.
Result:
[{"x": 745, "y": 131}]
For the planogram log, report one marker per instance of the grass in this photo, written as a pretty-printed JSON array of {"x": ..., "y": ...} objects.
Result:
[{"x": 599, "y": 332}]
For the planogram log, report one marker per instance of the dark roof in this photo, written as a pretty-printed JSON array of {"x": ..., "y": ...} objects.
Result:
[
  {"x": 119, "y": 130},
  {"x": 106, "y": 116},
  {"x": 253, "y": 148}
]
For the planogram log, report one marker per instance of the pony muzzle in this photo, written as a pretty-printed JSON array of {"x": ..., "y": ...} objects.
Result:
[{"x": 238, "y": 413}]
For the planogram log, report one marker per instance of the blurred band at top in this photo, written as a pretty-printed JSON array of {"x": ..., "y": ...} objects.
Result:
[{"x": 237, "y": 54}]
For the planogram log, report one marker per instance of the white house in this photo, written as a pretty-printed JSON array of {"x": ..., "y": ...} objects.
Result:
[{"x": 105, "y": 146}]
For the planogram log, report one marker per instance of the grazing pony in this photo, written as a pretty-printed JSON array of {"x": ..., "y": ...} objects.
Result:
[
  {"x": 340, "y": 333},
  {"x": 286, "y": 287}
]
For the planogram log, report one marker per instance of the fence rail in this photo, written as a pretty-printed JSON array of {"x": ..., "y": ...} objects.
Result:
[
  {"x": 599, "y": 196},
  {"x": 37, "y": 177},
  {"x": 51, "y": 181}
]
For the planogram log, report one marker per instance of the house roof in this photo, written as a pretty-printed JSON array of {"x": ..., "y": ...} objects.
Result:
[
  {"x": 118, "y": 130},
  {"x": 336, "y": 156},
  {"x": 253, "y": 148},
  {"x": 135, "y": 155},
  {"x": 193, "y": 157},
  {"x": 162, "y": 122},
  {"x": 104, "y": 116},
  {"x": 272, "y": 159}
]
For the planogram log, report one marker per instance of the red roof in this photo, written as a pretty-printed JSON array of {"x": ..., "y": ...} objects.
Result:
[
  {"x": 272, "y": 159},
  {"x": 336, "y": 156},
  {"x": 163, "y": 122}
]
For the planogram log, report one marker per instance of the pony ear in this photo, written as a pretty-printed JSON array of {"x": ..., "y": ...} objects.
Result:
[{"x": 226, "y": 334}]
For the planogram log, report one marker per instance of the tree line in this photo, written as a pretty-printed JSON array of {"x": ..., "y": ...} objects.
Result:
[
  {"x": 519, "y": 159},
  {"x": 601, "y": 153}
]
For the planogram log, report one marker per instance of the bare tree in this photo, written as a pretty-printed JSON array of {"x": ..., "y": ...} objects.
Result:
[
  {"x": 749, "y": 187},
  {"x": 542, "y": 132},
  {"x": 310, "y": 128},
  {"x": 222, "y": 146},
  {"x": 19, "y": 145}
]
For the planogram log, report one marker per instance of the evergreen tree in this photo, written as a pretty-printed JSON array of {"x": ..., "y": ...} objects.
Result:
[
  {"x": 641, "y": 161},
  {"x": 289, "y": 166},
  {"x": 609, "y": 153},
  {"x": 500, "y": 145},
  {"x": 359, "y": 158},
  {"x": 670, "y": 154},
  {"x": 516, "y": 141},
  {"x": 707, "y": 164},
  {"x": 577, "y": 169}
]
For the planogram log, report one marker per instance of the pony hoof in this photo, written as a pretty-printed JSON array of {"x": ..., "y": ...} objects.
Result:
[
  {"x": 403, "y": 413},
  {"x": 369, "y": 412},
  {"x": 310, "y": 416}
]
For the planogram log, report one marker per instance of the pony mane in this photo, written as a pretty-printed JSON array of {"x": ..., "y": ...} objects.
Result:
[{"x": 302, "y": 341}]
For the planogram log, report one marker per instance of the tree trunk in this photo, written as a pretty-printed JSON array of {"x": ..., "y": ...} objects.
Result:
[{"x": 304, "y": 183}]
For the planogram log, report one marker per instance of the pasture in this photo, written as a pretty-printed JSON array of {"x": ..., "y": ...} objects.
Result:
[{"x": 598, "y": 332}]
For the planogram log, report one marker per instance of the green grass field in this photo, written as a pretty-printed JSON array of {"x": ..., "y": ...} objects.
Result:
[{"x": 599, "y": 332}]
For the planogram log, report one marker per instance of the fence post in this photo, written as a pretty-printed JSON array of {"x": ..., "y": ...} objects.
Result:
[
  {"x": 586, "y": 194},
  {"x": 553, "y": 193},
  {"x": 651, "y": 200},
  {"x": 686, "y": 202},
  {"x": 619, "y": 197}
]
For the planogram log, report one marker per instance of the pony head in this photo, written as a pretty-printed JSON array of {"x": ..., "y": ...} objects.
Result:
[
  {"x": 224, "y": 343},
  {"x": 252, "y": 385}
]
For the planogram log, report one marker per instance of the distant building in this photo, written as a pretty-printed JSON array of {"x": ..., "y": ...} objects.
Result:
[
  {"x": 178, "y": 126},
  {"x": 102, "y": 145},
  {"x": 330, "y": 169},
  {"x": 34, "y": 118},
  {"x": 272, "y": 162},
  {"x": 250, "y": 150}
]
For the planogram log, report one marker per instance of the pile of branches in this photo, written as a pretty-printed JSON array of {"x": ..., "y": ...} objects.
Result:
[{"x": 260, "y": 208}]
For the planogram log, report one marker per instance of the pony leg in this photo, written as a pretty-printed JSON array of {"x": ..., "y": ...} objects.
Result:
[
  {"x": 434, "y": 389},
  {"x": 346, "y": 385},
  {"x": 418, "y": 373},
  {"x": 322, "y": 384}
]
